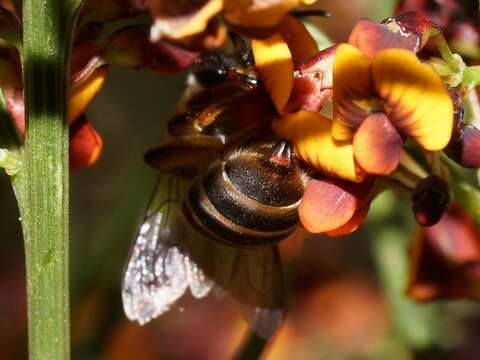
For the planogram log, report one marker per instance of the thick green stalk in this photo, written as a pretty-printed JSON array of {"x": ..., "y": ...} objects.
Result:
[{"x": 42, "y": 187}]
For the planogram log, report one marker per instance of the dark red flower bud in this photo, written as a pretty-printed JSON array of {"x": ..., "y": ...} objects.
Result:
[
  {"x": 464, "y": 147},
  {"x": 85, "y": 144},
  {"x": 430, "y": 199}
]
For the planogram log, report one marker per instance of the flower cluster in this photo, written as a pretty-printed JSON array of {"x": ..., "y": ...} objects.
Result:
[
  {"x": 384, "y": 109},
  {"x": 379, "y": 111}
]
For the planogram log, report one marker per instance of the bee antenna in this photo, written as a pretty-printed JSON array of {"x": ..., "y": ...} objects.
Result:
[
  {"x": 282, "y": 154},
  {"x": 311, "y": 12}
]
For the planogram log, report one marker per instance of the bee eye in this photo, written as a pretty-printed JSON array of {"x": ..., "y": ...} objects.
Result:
[{"x": 210, "y": 69}]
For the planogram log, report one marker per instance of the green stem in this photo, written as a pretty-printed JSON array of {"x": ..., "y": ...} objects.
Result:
[{"x": 42, "y": 187}]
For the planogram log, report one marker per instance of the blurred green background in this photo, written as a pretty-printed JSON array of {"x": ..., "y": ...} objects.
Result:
[{"x": 348, "y": 303}]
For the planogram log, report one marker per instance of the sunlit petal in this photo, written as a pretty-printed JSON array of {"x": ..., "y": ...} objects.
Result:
[
  {"x": 275, "y": 64},
  {"x": 84, "y": 93},
  {"x": 310, "y": 134},
  {"x": 377, "y": 145},
  {"x": 299, "y": 41},
  {"x": 351, "y": 81},
  {"x": 259, "y": 13},
  {"x": 180, "y": 19},
  {"x": 416, "y": 100}
]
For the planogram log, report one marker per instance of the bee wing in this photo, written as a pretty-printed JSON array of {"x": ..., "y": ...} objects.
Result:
[
  {"x": 254, "y": 277},
  {"x": 158, "y": 271}
]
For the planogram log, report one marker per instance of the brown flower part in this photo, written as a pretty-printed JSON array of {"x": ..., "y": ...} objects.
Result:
[
  {"x": 10, "y": 28},
  {"x": 445, "y": 259},
  {"x": 12, "y": 86},
  {"x": 131, "y": 47},
  {"x": 110, "y": 10},
  {"x": 313, "y": 83}
]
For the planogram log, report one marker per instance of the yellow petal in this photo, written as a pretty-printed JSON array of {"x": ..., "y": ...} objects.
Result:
[
  {"x": 275, "y": 65},
  {"x": 258, "y": 13},
  {"x": 84, "y": 93},
  {"x": 416, "y": 100},
  {"x": 178, "y": 20},
  {"x": 299, "y": 41},
  {"x": 352, "y": 81},
  {"x": 310, "y": 134}
]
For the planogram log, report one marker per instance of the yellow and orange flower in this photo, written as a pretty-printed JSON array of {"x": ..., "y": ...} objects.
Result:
[{"x": 378, "y": 99}]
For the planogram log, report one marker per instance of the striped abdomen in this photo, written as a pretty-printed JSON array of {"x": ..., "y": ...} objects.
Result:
[{"x": 249, "y": 199}]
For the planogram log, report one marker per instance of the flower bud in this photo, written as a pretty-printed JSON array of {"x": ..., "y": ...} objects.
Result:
[
  {"x": 464, "y": 147},
  {"x": 430, "y": 199}
]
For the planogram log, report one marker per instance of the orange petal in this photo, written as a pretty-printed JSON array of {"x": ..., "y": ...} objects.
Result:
[
  {"x": 377, "y": 145},
  {"x": 274, "y": 62},
  {"x": 351, "y": 81},
  {"x": 177, "y": 20},
  {"x": 326, "y": 205},
  {"x": 416, "y": 100},
  {"x": 85, "y": 144},
  {"x": 299, "y": 41},
  {"x": 258, "y": 13},
  {"x": 83, "y": 94},
  {"x": 357, "y": 219},
  {"x": 310, "y": 134}
]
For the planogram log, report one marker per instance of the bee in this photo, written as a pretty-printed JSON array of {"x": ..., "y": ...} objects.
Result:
[{"x": 224, "y": 198}]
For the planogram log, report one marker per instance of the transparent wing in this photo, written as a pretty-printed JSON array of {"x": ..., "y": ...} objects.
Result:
[
  {"x": 158, "y": 271},
  {"x": 254, "y": 277}
]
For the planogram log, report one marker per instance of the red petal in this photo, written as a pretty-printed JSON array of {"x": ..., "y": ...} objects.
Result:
[
  {"x": 377, "y": 145},
  {"x": 85, "y": 144},
  {"x": 371, "y": 37},
  {"x": 312, "y": 84}
]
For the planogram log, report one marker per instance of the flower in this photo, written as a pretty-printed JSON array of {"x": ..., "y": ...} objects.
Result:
[
  {"x": 445, "y": 259},
  {"x": 378, "y": 99}
]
